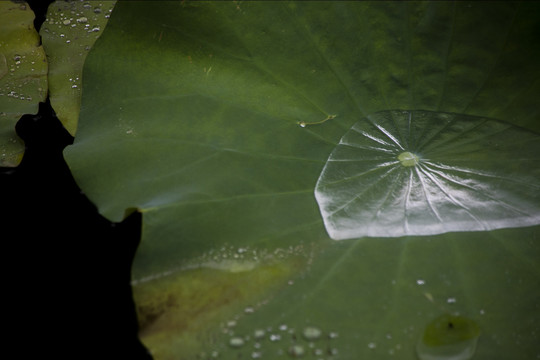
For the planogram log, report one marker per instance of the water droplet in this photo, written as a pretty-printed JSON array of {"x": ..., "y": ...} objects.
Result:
[
  {"x": 259, "y": 333},
  {"x": 66, "y": 22},
  {"x": 283, "y": 327},
  {"x": 256, "y": 355},
  {"x": 87, "y": 5},
  {"x": 97, "y": 10},
  {"x": 408, "y": 159},
  {"x": 95, "y": 29},
  {"x": 372, "y": 345},
  {"x": 17, "y": 58},
  {"x": 448, "y": 338},
  {"x": 451, "y": 300},
  {"x": 275, "y": 337},
  {"x": 231, "y": 323},
  {"x": 297, "y": 351},
  {"x": 82, "y": 20},
  {"x": 73, "y": 86},
  {"x": 333, "y": 335},
  {"x": 333, "y": 351},
  {"x": 420, "y": 282},
  {"x": 311, "y": 333},
  {"x": 249, "y": 310},
  {"x": 236, "y": 342}
]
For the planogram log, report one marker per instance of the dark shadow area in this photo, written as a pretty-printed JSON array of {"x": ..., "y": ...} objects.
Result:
[{"x": 67, "y": 269}]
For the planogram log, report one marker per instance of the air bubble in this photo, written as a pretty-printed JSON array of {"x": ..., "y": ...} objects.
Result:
[{"x": 311, "y": 333}]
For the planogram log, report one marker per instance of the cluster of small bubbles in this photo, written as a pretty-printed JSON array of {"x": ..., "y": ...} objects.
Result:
[{"x": 245, "y": 255}]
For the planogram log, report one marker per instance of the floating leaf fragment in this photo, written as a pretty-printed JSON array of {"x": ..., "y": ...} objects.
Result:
[{"x": 449, "y": 337}]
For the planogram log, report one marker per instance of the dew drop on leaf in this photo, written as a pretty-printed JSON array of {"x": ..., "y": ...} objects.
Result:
[
  {"x": 236, "y": 342},
  {"x": 311, "y": 333}
]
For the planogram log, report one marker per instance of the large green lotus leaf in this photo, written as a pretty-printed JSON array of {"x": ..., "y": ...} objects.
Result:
[
  {"x": 68, "y": 34},
  {"x": 216, "y": 119},
  {"x": 23, "y": 75}
]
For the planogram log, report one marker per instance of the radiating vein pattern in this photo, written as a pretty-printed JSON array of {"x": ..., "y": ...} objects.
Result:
[{"x": 452, "y": 172}]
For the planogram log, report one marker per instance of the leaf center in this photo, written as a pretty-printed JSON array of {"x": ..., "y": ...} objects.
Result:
[{"x": 408, "y": 159}]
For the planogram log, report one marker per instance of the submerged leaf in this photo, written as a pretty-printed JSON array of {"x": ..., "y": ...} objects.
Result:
[{"x": 400, "y": 173}]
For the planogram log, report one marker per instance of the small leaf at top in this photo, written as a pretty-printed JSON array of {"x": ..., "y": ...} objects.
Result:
[{"x": 400, "y": 173}]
